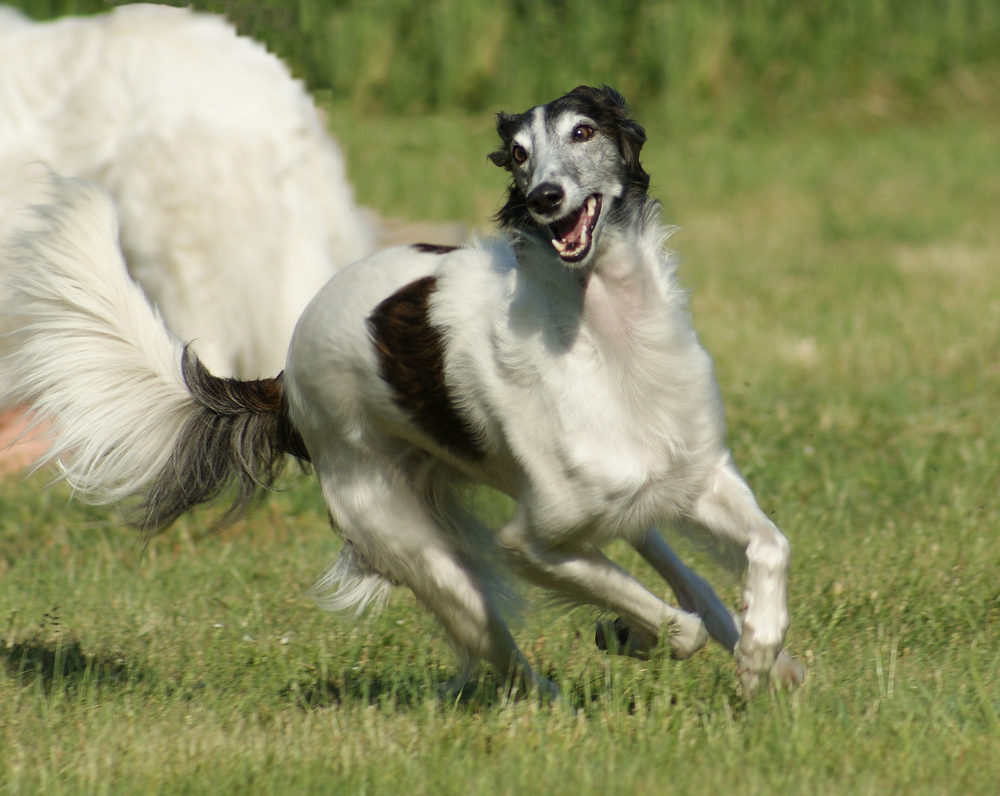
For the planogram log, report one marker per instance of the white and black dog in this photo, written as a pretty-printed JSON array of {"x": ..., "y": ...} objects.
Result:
[{"x": 555, "y": 363}]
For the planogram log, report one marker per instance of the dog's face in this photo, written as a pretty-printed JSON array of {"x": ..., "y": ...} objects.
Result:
[{"x": 575, "y": 165}]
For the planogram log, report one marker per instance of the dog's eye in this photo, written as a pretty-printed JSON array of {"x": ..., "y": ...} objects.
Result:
[
  {"x": 519, "y": 153},
  {"x": 583, "y": 132}
]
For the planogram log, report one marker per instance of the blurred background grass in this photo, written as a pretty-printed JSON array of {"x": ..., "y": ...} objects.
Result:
[{"x": 721, "y": 63}]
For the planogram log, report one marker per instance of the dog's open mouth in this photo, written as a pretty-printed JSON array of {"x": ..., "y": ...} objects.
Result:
[{"x": 573, "y": 235}]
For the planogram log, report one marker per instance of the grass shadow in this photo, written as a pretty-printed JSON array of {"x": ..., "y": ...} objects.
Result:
[
  {"x": 60, "y": 663},
  {"x": 396, "y": 690}
]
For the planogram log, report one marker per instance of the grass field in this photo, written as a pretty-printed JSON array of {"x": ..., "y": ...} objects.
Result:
[
  {"x": 847, "y": 286},
  {"x": 845, "y": 276}
]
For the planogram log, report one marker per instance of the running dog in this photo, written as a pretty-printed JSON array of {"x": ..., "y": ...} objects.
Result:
[{"x": 554, "y": 363}]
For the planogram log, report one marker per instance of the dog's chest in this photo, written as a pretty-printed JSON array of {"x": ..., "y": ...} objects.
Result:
[
  {"x": 612, "y": 429},
  {"x": 591, "y": 459},
  {"x": 594, "y": 397}
]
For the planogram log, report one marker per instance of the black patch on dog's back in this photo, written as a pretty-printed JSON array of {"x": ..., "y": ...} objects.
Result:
[
  {"x": 411, "y": 361},
  {"x": 433, "y": 248}
]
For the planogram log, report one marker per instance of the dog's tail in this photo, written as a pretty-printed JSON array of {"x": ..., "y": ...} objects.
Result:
[{"x": 134, "y": 415}]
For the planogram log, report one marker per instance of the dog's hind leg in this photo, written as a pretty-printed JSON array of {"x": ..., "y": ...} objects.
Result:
[
  {"x": 583, "y": 574},
  {"x": 693, "y": 593},
  {"x": 396, "y": 533}
]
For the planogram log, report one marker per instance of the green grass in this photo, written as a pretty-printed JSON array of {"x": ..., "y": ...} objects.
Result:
[
  {"x": 846, "y": 283},
  {"x": 844, "y": 276},
  {"x": 697, "y": 63}
]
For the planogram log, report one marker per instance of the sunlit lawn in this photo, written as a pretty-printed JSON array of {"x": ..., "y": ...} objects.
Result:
[{"x": 847, "y": 281}]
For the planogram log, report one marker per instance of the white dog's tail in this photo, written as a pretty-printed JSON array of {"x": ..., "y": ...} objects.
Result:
[{"x": 134, "y": 414}]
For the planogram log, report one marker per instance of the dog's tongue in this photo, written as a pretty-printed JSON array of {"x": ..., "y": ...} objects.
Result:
[{"x": 569, "y": 229}]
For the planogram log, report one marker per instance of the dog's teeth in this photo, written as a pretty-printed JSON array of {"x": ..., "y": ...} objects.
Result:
[{"x": 572, "y": 235}]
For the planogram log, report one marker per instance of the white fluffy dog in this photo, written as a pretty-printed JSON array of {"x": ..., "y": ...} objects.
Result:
[{"x": 232, "y": 198}]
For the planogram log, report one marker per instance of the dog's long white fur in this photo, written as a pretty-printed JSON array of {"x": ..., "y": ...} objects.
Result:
[
  {"x": 233, "y": 199},
  {"x": 87, "y": 351}
]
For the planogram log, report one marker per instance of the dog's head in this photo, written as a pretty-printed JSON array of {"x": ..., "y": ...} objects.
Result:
[{"x": 575, "y": 164}]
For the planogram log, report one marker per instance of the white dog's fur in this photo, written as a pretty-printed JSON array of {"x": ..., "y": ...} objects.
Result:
[
  {"x": 232, "y": 198},
  {"x": 555, "y": 363}
]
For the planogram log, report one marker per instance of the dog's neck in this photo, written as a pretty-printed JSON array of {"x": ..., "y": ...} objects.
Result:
[
  {"x": 618, "y": 290},
  {"x": 618, "y": 299}
]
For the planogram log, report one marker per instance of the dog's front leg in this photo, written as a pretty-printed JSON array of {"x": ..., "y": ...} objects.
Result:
[
  {"x": 726, "y": 509},
  {"x": 696, "y": 595}
]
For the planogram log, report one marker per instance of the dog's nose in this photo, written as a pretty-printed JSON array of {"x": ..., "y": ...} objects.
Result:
[{"x": 545, "y": 198}]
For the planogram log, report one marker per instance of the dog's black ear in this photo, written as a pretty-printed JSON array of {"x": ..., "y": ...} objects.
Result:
[
  {"x": 514, "y": 213},
  {"x": 507, "y": 123}
]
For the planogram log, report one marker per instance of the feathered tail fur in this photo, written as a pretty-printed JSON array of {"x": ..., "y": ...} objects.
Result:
[{"x": 134, "y": 414}]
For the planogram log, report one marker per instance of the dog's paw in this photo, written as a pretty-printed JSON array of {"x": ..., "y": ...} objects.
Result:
[
  {"x": 687, "y": 635},
  {"x": 620, "y": 638},
  {"x": 684, "y": 637},
  {"x": 546, "y": 690},
  {"x": 753, "y": 662},
  {"x": 786, "y": 674},
  {"x": 525, "y": 683}
]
